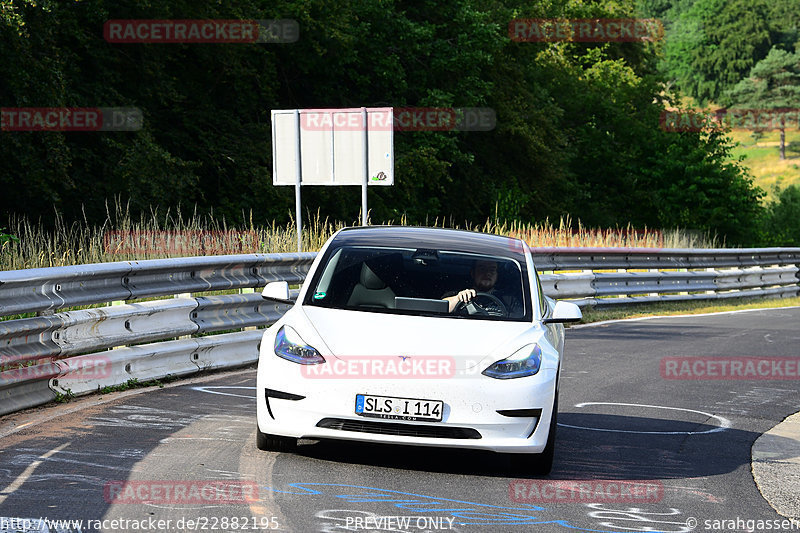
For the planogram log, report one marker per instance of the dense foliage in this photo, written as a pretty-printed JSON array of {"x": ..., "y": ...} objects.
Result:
[
  {"x": 577, "y": 123},
  {"x": 711, "y": 45},
  {"x": 782, "y": 219}
]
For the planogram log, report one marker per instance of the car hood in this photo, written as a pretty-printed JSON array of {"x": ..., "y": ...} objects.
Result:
[{"x": 467, "y": 341}]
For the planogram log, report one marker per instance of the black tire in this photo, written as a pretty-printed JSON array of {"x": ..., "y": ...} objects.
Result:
[
  {"x": 543, "y": 462},
  {"x": 274, "y": 443}
]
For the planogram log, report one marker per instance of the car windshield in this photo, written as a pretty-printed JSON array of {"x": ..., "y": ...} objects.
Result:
[{"x": 418, "y": 281}]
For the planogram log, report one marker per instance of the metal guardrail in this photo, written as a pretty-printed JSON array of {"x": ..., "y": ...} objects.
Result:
[
  {"x": 49, "y": 289},
  {"x": 77, "y": 352},
  {"x": 661, "y": 258},
  {"x": 71, "y": 348},
  {"x": 620, "y": 276}
]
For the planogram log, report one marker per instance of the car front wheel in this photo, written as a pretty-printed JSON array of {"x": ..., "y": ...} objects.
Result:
[{"x": 274, "y": 443}]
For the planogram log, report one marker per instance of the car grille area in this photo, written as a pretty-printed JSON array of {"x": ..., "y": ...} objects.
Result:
[{"x": 403, "y": 430}]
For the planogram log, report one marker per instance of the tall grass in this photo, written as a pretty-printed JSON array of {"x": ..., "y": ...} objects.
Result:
[
  {"x": 547, "y": 235},
  {"x": 158, "y": 235}
]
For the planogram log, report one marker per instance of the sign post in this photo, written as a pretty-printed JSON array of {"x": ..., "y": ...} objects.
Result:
[
  {"x": 298, "y": 213},
  {"x": 365, "y": 182},
  {"x": 353, "y": 146}
]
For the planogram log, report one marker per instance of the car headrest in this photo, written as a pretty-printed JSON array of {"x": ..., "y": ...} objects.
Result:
[{"x": 369, "y": 279}]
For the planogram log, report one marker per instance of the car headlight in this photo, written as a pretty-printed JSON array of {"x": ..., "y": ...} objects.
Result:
[
  {"x": 289, "y": 345},
  {"x": 524, "y": 362}
]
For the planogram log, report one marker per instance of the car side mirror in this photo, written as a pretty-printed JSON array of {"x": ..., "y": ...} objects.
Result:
[
  {"x": 276, "y": 290},
  {"x": 564, "y": 312}
]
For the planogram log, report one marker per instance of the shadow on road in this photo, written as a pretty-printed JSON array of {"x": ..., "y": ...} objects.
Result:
[{"x": 635, "y": 448}]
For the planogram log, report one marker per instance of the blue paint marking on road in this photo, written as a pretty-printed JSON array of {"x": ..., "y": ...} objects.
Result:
[{"x": 471, "y": 513}]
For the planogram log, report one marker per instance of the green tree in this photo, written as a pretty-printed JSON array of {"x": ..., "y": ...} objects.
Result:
[
  {"x": 773, "y": 86},
  {"x": 577, "y": 123},
  {"x": 694, "y": 182},
  {"x": 713, "y": 44},
  {"x": 784, "y": 18}
]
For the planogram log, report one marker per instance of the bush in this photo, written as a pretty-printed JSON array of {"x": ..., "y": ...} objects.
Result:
[{"x": 782, "y": 219}]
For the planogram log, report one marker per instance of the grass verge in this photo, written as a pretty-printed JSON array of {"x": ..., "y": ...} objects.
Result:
[
  {"x": 134, "y": 383},
  {"x": 762, "y": 157}
]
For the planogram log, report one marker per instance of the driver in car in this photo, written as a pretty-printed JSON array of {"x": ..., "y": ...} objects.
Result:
[{"x": 484, "y": 277}]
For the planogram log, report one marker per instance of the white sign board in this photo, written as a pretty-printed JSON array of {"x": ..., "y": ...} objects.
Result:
[{"x": 331, "y": 146}]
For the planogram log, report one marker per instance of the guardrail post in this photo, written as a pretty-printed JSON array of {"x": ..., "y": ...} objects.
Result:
[
  {"x": 651, "y": 270},
  {"x": 683, "y": 270},
  {"x": 184, "y": 295},
  {"x": 711, "y": 269},
  {"x": 114, "y": 304},
  {"x": 248, "y": 291},
  {"x": 627, "y": 289}
]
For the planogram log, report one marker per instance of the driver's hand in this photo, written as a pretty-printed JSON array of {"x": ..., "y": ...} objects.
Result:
[{"x": 466, "y": 295}]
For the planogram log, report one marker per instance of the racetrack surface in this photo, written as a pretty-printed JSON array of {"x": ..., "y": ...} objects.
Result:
[{"x": 687, "y": 442}]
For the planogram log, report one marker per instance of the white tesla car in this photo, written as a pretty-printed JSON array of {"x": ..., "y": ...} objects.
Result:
[{"x": 417, "y": 336}]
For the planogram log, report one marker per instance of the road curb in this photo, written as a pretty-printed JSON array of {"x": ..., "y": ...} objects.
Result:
[{"x": 775, "y": 463}]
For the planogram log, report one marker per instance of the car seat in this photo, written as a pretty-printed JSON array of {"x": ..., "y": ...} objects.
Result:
[{"x": 371, "y": 291}]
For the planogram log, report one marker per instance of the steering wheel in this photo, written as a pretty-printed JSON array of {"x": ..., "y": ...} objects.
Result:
[{"x": 493, "y": 307}]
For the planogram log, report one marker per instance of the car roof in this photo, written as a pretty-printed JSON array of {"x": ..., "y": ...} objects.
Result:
[{"x": 437, "y": 238}]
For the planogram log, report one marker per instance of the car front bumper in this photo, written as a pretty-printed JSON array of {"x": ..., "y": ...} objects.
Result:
[{"x": 292, "y": 404}]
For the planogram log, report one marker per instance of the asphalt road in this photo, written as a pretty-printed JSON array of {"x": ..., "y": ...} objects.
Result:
[{"x": 683, "y": 446}]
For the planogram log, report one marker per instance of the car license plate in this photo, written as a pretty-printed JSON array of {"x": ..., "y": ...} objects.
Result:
[{"x": 391, "y": 408}]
